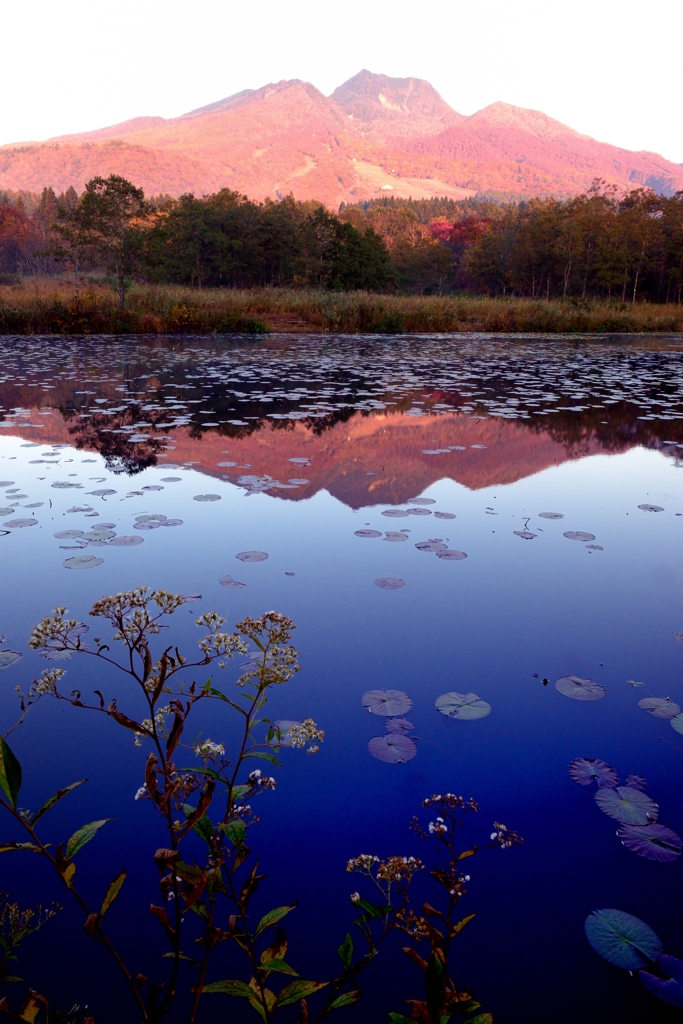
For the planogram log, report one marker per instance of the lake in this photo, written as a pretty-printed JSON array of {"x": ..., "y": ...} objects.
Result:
[{"x": 474, "y": 515}]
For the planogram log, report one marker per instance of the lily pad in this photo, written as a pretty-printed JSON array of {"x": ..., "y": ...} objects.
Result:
[
  {"x": 395, "y": 513},
  {"x": 450, "y": 555},
  {"x": 676, "y": 723},
  {"x": 189, "y": 598},
  {"x": 627, "y": 805},
  {"x": 389, "y": 583},
  {"x": 658, "y": 707},
  {"x": 399, "y": 725},
  {"x": 393, "y": 749},
  {"x": 125, "y": 542},
  {"x": 150, "y": 487},
  {"x": 636, "y": 782},
  {"x": 419, "y": 512},
  {"x": 386, "y": 702},
  {"x": 252, "y": 556},
  {"x": 431, "y": 546},
  {"x": 651, "y": 508},
  {"x": 207, "y": 497},
  {"x": 6, "y": 511},
  {"x": 172, "y": 479},
  {"x": 82, "y": 562},
  {"x": 395, "y": 536},
  {"x": 101, "y": 492},
  {"x": 622, "y": 939},
  {"x": 525, "y": 534},
  {"x": 634, "y": 682},
  {"x": 8, "y": 658},
  {"x": 230, "y": 583},
  {"x": 671, "y": 990},
  {"x": 578, "y": 535},
  {"x": 551, "y": 515},
  {"x": 580, "y": 689},
  {"x": 444, "y": 515},
  {"x": 150, "y": 524},
  {"x": 64, "y": 485},
  {"x": 585, "y": 769},
  {"x": 367, "y": 533},
  {"x": 422, "y": 501},
  {"x": 68, "y": 534},
  {"x": 172, "y": 522},
  {"x": 19, "y": 524},
  {"x": 466, "y": 707},
  {"x": 656, "y": 842}
]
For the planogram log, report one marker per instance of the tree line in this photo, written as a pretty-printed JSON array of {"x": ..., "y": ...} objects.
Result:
[{"x": 601, "y": 244}]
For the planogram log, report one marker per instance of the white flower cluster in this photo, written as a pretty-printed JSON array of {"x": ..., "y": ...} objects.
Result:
[
  {"x": 438, "y": 827},
  {"x": 305, "y": 733},
  {"x": 148, "y": 725},
  {"x": 207, "y": 748},
  {"x": 362, "y": 863},
  {"x": 256, "y": 778},
  {"x": 142, "y": 793}
]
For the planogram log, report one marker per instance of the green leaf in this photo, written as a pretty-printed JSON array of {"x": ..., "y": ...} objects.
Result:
[
  {"x": 400, "y": 1018},
  {"x": 236, "y": 831},
  {"x": 7, "y": 847},
  {"x": 482, "y": 1018},
  {"x": 112, "y": 892},
  {"x": 204, "y": 828},
  {"x": 10, "y": 774},
  {"x": 345, "y": 951},
  {"x": 83, "y": 836},
  {"x": 345, "y": 999},
  {"x": 373, "y": 911},
  {"x": 297, "y": 990},
  {"x": 264, "y": 757},
  {"x": 239, "y": 791},
  {"x": 230, "y": 988},
  {"x": 55, "y": 799},
  {"x": 278, "y": 965},
  {"x": 272, "y": 918}
]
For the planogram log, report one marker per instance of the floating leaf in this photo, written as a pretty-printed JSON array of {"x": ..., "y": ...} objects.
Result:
[
  {"x": 550, "y": 515},
  {"x": 580, "y": 689},
  {"x": 578, "y": 535},
  {"x": 148, "y": 525},
  {"x": 398, "y": 725},
  {"x": 466, "y": 707},
  {"x": 389, "y": 583},
  {"x": 622, "y": 939},
  {"x": 396, "y": 748},
  {"x": 103, "y": 491},
  {"x": 82, "y": 562},
  {"x": 634, "y": 682},
  {"x": 68, "y": 534},
  {"x": 444, "y": 515},
  {"x": 627, "y": 805},
  {"x": 525, "y": 534},
  {"x": 422, "y": 501},
  {"x": 584, "y": 769},
  {"x": 207, "y": 497},
  {"x": 660, "y": 707},
  {"x": 125, "y": 542},
  {"x": 670, "y": 991},
  {"x": 419, "y": 512},
  {"x": 395, "y": 513},
  {"x": 656, "y": 842},
  {"x": 431, "y": 546},
  {"x": 651, "y": 508},
  {"x": 386, "y": 702},
  {"x": 230, "y": 583},
  {"x": 395, "y": 537},
  {"x": 451, "y": 555},
  {"x": 252, "y": 556},
  {"x": 677, "y": 723},
  {"x": 150, "y": 487},
  {"x": 188, "y": 598},
  {"x": 636, "y": 782},
  {"x": 8, "y": 658},
  {"x": 6, "y": 511},
  {"x": 171, "y": 479},
  {"x": 172, "y": 522},
  {"x": 19, "y": 524},
  {"x": 367, "y": 533}
]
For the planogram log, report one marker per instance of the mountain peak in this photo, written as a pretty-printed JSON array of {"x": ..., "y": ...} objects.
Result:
[
  {"x": 531, "y": 122},
  {"x": 402, "y": 105}
]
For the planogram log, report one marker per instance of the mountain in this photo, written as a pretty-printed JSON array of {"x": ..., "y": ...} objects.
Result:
[{"x": 374, "y": 136}]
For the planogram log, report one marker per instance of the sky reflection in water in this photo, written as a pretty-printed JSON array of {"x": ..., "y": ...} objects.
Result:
[{"x": 276, "y": 465}]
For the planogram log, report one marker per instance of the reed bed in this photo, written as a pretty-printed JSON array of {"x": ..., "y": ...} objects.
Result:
[{"x": 49, "y": 306}]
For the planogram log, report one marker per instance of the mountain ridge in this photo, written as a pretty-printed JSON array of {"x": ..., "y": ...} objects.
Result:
[{"x": 374, "y": 136}]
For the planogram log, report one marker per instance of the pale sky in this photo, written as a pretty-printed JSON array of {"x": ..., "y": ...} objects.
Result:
[{"x": 609, "y": 68}]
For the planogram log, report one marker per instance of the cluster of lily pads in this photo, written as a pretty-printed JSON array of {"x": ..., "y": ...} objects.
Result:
[
  {"x": 636, "y": 812},
  {"x": 103, "y": 535},
  {"x": 629, "y": 943},
  {"x": 396, "y": 746}
]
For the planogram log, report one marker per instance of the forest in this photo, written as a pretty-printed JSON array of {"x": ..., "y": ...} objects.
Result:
[{"x": 624, "y": 248}]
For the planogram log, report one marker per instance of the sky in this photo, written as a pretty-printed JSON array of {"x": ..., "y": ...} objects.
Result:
[{"x": 608, "y": 68}]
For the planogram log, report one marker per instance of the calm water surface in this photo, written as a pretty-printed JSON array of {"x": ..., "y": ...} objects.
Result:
[{"x": 304, "y": 442}]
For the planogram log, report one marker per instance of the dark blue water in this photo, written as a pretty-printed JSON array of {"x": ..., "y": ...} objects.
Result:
[{"x": 589, "y": 430}]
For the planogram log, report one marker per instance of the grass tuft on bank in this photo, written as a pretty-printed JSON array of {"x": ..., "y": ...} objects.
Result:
[{"x": 46, "y": 306}]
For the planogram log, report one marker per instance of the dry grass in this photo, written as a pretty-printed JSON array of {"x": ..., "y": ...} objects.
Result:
[{"x": 49, "y": 306}]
